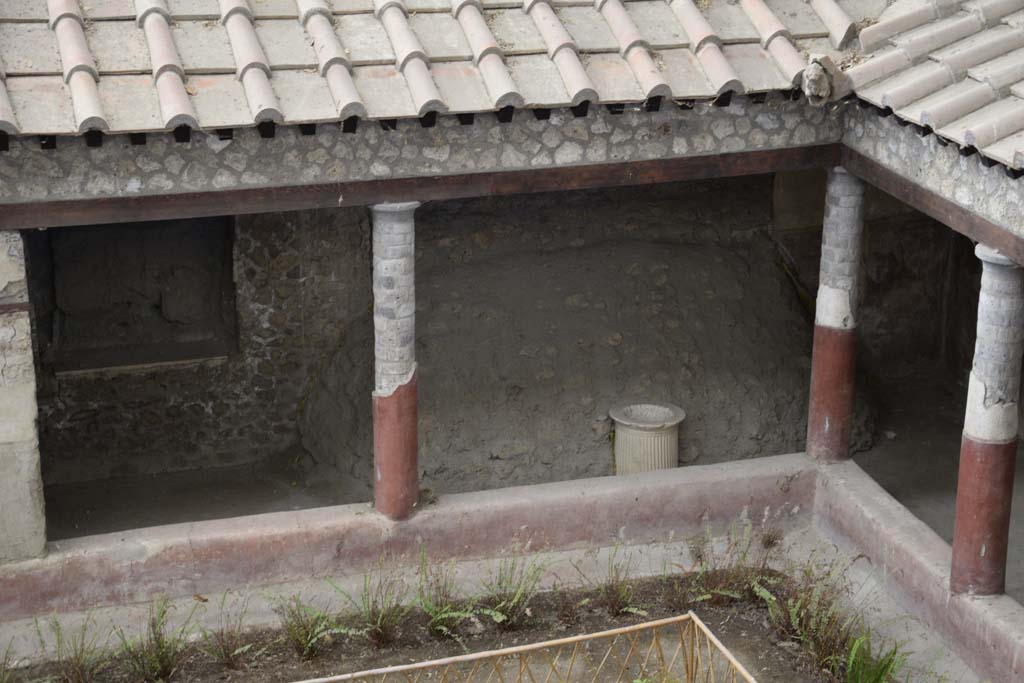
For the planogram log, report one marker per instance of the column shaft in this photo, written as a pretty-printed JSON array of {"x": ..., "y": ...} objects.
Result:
[
  {"x": 988, "y": 449},
  {"x": 830, "y": 407},
  {"x": 395, "y": 443},
  {"x": 22, "y": 522}
]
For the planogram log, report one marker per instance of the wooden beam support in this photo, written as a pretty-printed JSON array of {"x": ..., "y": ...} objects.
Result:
[
  {"x": 326, "y": 195},
  {"x": 944, "y": 210}
]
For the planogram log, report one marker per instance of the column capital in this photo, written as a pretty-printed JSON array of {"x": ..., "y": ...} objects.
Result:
[
  {"x": 990, "y": 255},
  {"x": 395, "y": 207}
]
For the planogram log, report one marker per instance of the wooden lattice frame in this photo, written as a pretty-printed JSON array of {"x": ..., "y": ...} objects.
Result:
[{"x": 675, "y": 650}]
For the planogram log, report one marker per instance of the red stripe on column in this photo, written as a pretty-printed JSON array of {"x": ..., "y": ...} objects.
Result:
[
  {"x": 395, "y": 445},
  {"x": 830, "y": 410},
  {"x": 981, "y": 534}
]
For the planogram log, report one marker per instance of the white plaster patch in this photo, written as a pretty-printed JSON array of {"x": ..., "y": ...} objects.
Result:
[
  {"x": 18, "y": 406},
  {"x": 833, "y": 308},
  {"x": 996, "y": 423}
]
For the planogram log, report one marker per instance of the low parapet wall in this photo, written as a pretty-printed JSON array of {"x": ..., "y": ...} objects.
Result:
[{"x": 213, "y": 557}]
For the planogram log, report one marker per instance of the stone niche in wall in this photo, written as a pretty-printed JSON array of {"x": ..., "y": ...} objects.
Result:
[{"x": 134, "y": 294}]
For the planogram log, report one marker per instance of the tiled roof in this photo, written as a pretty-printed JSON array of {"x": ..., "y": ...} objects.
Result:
[
  {"x": 153, "y": 65},
  {"x": 952, "y": 68}
]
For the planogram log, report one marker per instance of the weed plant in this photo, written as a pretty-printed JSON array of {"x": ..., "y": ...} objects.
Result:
[
  {"x": 158, "y": 653},
  {"x": 78, "y": 656},
  {"x": 862, "y": 666},
  {"x": 512, "y": 589},
  {"x": 307, "y": 629},
  {"x": 380, "y": 608},
  {"x": 615, "y": 591},
  {"x": 569, "y": 604},
  {"x": 227, "y": 645},
  {"x": 437, "y": 596},
  {"x": 7, "y": 665},
  {"x": 720, "y": 576}
]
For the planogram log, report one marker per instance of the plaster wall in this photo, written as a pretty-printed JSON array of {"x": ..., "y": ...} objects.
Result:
[{"x": 21, "y": 492}]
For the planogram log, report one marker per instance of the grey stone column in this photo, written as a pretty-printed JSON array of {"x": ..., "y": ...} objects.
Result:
[
  {"x": 22, "y": 523},
  {"x": 395, "y": 412},
  {"x": 830, "y": 408}
]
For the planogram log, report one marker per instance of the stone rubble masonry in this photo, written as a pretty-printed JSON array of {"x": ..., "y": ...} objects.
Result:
[
  {"x": 22, "y": 523},
  {"x": 986, "y": 191},
  {"x": 394, "y": 296},
  {"x": 840, "y": 250},
  {"x": 163, "y": 166}
]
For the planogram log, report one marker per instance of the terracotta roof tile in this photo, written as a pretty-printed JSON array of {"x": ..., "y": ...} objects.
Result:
[
  {"x": 365, "y": 40},
  {"x": 731, "y": 23},
  {"x": 194, "y": 9},
  {"x": 588, "y": 29},
  {"x": 840, "y": 25},
  {"x": 634, "y": 48},
  {"x": 351, "y": 6},
  {"x": 168, "y": 73},
  {"x": 441, "y": 36},
  {"x": 303, "y": 99},
  {"x": 658, "y": 24},
  {"x": 41, "y": 105},
  {"x": 410, "y": 57},
  {"x": 118, "y": 47},
  {"x": 79, "y": 68},
  {"x": 219, "y": 100},
  {"x": 251, "y": 65},
  {"x": 799, "y": 17},
  {"x": 23, "y": 10},
  {"x": 539, "y": 81},
  {"x": 955, "y": 68},
  {"x": 285, "y": 44},
  {"x": 515, "y": 32},
  {"x": 384, "y": 91},
  {"x": 144, "y": 65},
  {"x": 29, "y": 49},
  {"x": 1008, "y": 151},
  {"x": 487, "y": 55},
  {"x": 684, "y": 74},
  {"x": 8, "y": 121},
  {"x": 755, "y": 68},
  {"x": 462, "y": 87},
  {"x": 273, "y": 9},
  {"x": 562, "y": 51},
  {"x": 144, "y": 114},
  {"x": 105, "y": 10},
  {"x": 203, "y": 47},
  {"x": 333, "y": 60}
]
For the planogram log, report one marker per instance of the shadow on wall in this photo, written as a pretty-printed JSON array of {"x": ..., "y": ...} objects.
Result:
[{"x": 537, "y": 314}]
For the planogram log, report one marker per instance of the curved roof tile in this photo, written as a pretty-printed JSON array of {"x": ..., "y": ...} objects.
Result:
[{"x": 227, "y": 63}]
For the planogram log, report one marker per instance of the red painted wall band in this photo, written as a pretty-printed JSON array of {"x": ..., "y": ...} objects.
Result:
[
  {"x": 395, "y": 447},
  {"x": 981, "y": 533},
  {"x": 830, "y": 409}
]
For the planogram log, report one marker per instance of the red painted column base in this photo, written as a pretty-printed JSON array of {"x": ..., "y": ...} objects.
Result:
[
  {"x": 395, "y": 447},
  {"x": 830, "y": 408},
  {"x": 981, "y": 533}
]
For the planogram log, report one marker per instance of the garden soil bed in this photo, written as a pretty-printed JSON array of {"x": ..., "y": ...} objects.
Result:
[{"x": 743, "y": 627}]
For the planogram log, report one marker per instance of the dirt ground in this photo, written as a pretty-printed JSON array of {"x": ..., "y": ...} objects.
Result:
[{"x": 742, "y": 627}]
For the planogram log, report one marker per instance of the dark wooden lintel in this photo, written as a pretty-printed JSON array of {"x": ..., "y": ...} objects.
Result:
[
  {"x": 361, "y": 193},
  {"x": 931, "y": 203}
]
